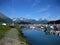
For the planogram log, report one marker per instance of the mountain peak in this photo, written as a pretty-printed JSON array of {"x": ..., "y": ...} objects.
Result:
[{"x": 42, "y": 19}]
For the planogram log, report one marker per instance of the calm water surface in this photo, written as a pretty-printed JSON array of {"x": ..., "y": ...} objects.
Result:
[{"x": 37, "y": 37}]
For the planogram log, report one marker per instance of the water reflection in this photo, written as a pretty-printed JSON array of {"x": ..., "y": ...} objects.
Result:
[{"x": 37, "y": 37}]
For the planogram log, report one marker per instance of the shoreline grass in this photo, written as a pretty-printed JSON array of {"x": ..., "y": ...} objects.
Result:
[
  {"x": 3, "y": 30},
  {"x": 21, "y": 36}
]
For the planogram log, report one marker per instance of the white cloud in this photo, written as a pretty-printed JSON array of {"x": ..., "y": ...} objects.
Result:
[
  {"x": 44, "y": 9},
  {"x": 36, "y": 2}
]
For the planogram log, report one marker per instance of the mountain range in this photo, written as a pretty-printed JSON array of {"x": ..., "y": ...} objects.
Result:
[
  {"x": 40, "y": 21},
  {"x": 5, "y": 19}
]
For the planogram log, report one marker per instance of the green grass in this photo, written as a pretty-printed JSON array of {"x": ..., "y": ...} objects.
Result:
[
  {"x": 21, "y": 36},
  {"x": 3, "y": 30}
]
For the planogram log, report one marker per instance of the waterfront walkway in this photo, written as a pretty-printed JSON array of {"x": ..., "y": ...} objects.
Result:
[{"x": 11, "y": 38}]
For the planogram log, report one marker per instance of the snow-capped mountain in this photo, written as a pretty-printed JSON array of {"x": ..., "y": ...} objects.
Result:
[{"x": 41, "y": 20}]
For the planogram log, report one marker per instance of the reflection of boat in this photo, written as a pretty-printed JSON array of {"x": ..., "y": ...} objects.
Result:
[
  {"x": 42, "y": 27},
  {"x": 58, "y": 33},
  {"x": 55, "y": 32},
  {"x": 32, "y": 27}
]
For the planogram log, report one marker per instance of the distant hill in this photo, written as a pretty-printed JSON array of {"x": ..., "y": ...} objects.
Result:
[
  {"x": 54, "y": 22},
  {"x": 4, "y": 19}
]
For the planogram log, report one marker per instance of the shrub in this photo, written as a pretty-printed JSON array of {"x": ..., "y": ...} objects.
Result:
[{"x": 3, "y": 30}]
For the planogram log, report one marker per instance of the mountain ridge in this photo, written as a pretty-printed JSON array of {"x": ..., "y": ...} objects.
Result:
[
  {"x": 30, "y": 20},
  {"x": 5, "y": 19}
]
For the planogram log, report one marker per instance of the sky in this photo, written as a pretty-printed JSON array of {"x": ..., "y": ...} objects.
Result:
[{"x": 35, "y": 9}]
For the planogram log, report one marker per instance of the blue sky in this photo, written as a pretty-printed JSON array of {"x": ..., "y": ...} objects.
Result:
[{"x": 49, "y": 9}]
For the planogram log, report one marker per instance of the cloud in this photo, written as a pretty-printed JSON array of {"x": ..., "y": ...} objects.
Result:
[
  {"x": 36, "y": 2},
  {"x": 44, "y": 9}
]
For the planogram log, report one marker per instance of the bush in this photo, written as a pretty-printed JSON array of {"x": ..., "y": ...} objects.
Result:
[{"x": 3, "y": 30}]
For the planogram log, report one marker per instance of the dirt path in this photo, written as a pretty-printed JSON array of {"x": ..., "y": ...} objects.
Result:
[{"x": 11, "y": 38}]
